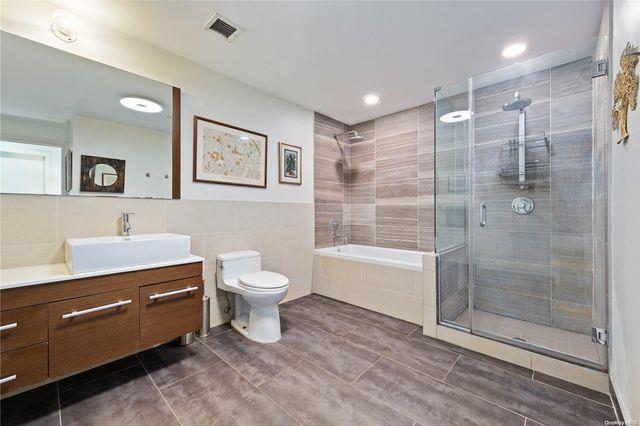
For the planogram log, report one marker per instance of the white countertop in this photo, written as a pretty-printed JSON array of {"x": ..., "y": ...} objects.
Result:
[{"x": 44, "y": 274}]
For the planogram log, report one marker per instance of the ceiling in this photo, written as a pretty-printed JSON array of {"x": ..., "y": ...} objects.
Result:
[
  {"x": 327, "y": 55},
  {"x": 70, "y": 85}
]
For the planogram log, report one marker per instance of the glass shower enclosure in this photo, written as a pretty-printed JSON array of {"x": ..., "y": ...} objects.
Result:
[{"x": 520, "y": 172}]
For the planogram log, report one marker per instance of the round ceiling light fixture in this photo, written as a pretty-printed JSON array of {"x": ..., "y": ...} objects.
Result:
[
  {"x": 455, "y": 116},
  {"x": 140, "y": 104},
  {"x": 371, "y": 99},
  {"x": 64, "y": 25},
  {"x": 513, "y": 50}
]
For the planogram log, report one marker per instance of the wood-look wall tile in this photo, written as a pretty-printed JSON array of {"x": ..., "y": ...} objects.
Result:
[
  {"x": 493, "y": 103},
  {"x": 362, "y": 214},
  {"x": 328, "y": 170},
  {"x": 363, "y": 234},
  {"x": 571, "y": 78},
  {"x": 398, "y": 145},
  {"x": 328, "y": 121},
  {"x": 364, "y": 148},
  {"x": 397, "y": 123},
  {"x": 328, "y": 192},
  {"x": 406, "y": 233},
  {"x": 397, "y": 191},
  {"x": 361, "y": 173},
  {"x": 324, "y": 212},
  {"x": 365, "y": 126},
  {"x": 510, "y": 86},
  {"x": 514, "y": 305},
  {"x": 397, "y": 214},
  {"x": 396, "y": 169},
  {"x": 327, "y": 148},
  {"x": 572, "y": 112},
  {"x": 531, "y": 279},
  {"x": 572, "y": 316},
  {"x": 362, "y": 194},
  {"x": 426, "y": 115},
  {"x": 426, "y": 239}
]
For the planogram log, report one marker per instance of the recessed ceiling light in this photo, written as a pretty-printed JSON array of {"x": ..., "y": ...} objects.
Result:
[
  {"x": 64, "y": 25},
  {"x": 371, "y": 99},
  {"x": 514, "y": 50},
  {"x": 455, "y": 116},
  {"x": 140, "y": 104},
  {"x": 244, "y": 138}
]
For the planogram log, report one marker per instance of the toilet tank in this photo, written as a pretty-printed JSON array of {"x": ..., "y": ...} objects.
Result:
[{"x": 232, "y": 265}]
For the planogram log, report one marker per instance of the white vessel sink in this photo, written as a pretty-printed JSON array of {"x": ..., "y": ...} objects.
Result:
[{"x": 94, "y": 254}]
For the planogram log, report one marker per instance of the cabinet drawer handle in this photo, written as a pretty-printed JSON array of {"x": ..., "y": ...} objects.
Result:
[
  {"x": 7, "y": 379},
  {"x": 171, "y": 293},
  {"x": 8, "y": 326},
  {"x": 96, "y": 309}
]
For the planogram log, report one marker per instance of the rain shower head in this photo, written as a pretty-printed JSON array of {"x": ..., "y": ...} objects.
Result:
[
  {"x": 517, "y": 103},
  {"x": 353, "y": 136}
]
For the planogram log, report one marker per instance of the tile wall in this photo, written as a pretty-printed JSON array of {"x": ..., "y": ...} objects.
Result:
[
  {"x": 331, "y": 190},
  {"x": 386, "y": 181},
  {"x": 537, "y": 267},
  {"x": 34, "y": 227}
]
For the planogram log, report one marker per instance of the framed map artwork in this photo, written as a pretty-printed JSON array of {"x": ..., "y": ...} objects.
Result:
[{"x": 227, "y": 154}]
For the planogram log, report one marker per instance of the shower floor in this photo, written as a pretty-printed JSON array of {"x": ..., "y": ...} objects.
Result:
[{"x": 577, "y": 345}]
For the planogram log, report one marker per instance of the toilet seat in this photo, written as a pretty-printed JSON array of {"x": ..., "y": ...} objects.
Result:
[{"x": 263, "y": 281}]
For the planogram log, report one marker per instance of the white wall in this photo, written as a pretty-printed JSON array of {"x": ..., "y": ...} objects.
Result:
[
  {"x": 625, "y": 233},
  {"x": 144, "y": 150},
  {"x": 29, "y": 130},
  {"x": 204, "y": 92}
]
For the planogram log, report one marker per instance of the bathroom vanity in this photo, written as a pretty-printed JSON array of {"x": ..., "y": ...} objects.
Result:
[{"x": 54, "y": 324}]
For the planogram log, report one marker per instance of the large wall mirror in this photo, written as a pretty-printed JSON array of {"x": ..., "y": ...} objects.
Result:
[{"x": 72, "y": 126}]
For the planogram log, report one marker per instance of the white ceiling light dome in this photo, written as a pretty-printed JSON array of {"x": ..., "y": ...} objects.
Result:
[
  {"x": 455, "y": 116},
  {"x": 513, "y": 50},
  {"x": 64, "y": 25},
  {"x": 141, "y": 104},
  {"x": 371, "y": 99}
]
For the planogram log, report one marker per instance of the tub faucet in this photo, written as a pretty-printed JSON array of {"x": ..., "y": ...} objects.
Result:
[
  {"x": 126, "y": 225},
  {"x": 335, "y": 226}
]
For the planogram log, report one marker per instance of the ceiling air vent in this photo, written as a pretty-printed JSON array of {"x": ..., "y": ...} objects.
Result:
[{"x": 221, "y": 25}]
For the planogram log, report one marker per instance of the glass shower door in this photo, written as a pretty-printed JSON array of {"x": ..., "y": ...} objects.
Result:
[
  {"x": 452, "y": 200},
  {"x": 534, "y": 233}
]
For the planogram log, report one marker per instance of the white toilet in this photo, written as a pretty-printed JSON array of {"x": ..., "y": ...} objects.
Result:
[{"x": 257, "y": 294}]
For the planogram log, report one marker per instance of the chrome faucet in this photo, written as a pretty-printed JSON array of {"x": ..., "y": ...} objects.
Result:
[
  {"x": 335, "y": 226},
  {"x": 125, "y": 224}
]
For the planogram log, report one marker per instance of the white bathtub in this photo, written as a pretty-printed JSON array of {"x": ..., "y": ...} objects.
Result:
[
  {"x": 395, "y": 258},
  {"x": 384, "y": 280}
]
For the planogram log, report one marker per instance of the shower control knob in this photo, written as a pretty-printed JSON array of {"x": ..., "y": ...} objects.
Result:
[{"x": 522, "y": 205}]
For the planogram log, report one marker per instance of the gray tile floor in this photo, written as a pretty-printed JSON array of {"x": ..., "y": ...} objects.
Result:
[{"x": 335, "y": 364}]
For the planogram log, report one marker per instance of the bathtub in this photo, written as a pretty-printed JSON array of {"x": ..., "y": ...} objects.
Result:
[
  {"x": 397, "y": 258},
  {"x": 389, "y": 281}
]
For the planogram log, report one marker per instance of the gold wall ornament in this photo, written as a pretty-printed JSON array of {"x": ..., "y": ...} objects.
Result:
[{"x": 625, "y": 90}]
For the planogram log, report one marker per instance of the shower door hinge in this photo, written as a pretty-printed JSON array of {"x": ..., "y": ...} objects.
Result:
[
  {"x": 599, "y": 335},
  {"x": 600, "y": 68}
]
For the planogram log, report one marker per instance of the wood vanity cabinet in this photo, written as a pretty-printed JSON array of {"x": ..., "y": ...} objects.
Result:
[{"x": 49, "y": 331}]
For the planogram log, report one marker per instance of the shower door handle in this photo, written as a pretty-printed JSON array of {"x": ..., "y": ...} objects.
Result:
[{"x": 483, "y": 214}]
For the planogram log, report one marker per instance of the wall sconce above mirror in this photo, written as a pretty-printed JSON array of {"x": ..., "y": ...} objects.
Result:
[{"x": 73, "y": 126}]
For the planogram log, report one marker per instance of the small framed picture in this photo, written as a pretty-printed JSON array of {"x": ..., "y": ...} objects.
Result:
[{"x": 290, "y": 164}]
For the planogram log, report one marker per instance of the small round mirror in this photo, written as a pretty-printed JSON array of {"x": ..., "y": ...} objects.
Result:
[{"x": 103, "y": 175}]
